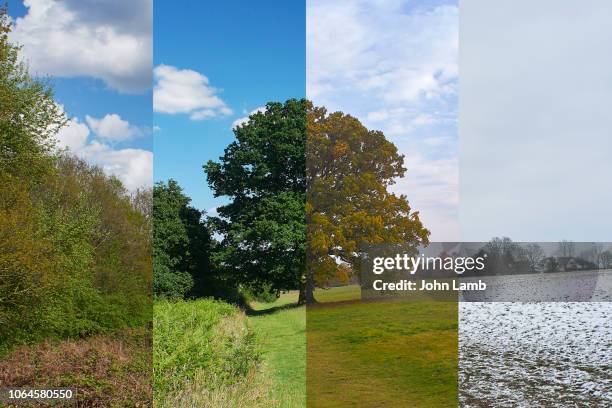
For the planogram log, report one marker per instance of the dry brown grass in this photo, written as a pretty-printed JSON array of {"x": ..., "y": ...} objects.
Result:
[{"x": 106, "y": 370}]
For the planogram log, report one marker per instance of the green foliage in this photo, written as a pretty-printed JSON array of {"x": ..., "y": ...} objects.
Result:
[
  {"x": 263, "y": 173},
  {"x": 202, "y": 340},
  {"x": 264, "y": 294},
  {"x": 74, "y": 249},
  {"x": 278, "y": 237},
  {"x": 74, "y": 256},
  {"x": 181, "y": 245}
]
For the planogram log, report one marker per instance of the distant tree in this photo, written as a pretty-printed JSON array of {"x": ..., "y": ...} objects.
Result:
[
  {"x": 535, "y": 255},
  {"x": 606, "y": 259},
  {"x": 502, "y": 253},
  {"x": 598, "y": 250},
  {"x": 263, "y": 227},
  {"x": 350, "y": 206},
  {"x": 566, "y": 249},
  {"x": 550, "y": 264},
  {"x": 181, "y": 243}
]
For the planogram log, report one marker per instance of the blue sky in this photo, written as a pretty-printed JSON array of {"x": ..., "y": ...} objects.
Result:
[
  {"x": 224, "y": 60},
  {"x": 97, "y": 55}
]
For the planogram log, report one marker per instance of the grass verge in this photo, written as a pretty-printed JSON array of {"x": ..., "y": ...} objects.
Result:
[{"x": 205, "y": 356}]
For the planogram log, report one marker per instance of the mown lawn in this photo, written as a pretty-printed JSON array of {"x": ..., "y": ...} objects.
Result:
[
  {"x": 280, "y": 329},
  {"x": 382, "y": 354}
]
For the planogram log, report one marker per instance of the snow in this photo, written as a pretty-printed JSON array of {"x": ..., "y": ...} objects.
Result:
[{"x": 535, "y": 354}]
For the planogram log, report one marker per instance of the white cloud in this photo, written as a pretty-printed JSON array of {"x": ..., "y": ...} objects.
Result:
[
  {"x": 241, "y": 121},
  {"x": 382, "y": 48},
  {"x": 393, "y": 64},
  {"x": 186, "y": 91},
  {"x": 134, "y": 167},
  {"x": 432, "y": 189},
  {"x": 401, "y": 121},
  {"x": 73, "y": 136},
  {"x": 109, "y": 39},
  {"x": 111, "y": 127}
]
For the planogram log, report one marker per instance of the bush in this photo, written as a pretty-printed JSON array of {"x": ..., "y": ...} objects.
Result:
[
  {"x": 75, "y": 247},
  {"x": 265, "y": 295}
]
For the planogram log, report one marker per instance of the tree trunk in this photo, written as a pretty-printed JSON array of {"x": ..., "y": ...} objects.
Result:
[{"x": 307, "y": 291}]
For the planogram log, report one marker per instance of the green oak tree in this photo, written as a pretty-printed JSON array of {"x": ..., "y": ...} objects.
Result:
[{"x": 263, "y": 227}]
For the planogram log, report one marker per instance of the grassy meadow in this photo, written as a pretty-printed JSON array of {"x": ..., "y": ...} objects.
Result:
[{"x": 350, "y": 353}]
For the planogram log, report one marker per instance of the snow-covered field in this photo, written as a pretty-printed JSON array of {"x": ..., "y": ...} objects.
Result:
[{"x": 535, "y": 354}]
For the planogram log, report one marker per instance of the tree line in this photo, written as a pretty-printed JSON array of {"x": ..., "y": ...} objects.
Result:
[
  {"x": 506, "y": 257},
  {"x": 75, "y": 247}
]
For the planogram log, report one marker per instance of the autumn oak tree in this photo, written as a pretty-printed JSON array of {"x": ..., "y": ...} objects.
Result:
[{"x": 349, "y": 205}]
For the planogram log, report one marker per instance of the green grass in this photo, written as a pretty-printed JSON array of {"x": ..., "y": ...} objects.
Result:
[
  {"x": 338, "y": 294},
  {"x": 204, "y": 355},
  {"x": 281, "y": 334},
  {"x": 383, "y": 354}
]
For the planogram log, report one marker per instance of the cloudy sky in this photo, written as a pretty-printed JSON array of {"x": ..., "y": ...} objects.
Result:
[
  {"x": 393, "y": 65},
  {"x": 98, "y": 53},
  {"x": 536, "y": 147},
  {"x": 223, "y": 61}
]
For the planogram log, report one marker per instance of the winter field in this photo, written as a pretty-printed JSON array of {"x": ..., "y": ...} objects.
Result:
[{"x": 535, "y": 354}]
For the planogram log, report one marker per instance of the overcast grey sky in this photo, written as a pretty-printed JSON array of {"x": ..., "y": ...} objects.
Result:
[{"x": 535, "y": 120}]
